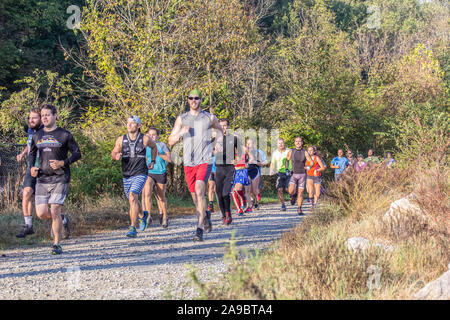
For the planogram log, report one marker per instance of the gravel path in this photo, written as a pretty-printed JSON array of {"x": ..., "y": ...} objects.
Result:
[{"x": 155, "y": 265}]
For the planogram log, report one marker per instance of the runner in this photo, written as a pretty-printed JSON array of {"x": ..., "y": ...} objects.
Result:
[
  {"x": 298, "y": 157},
  {"x": 131, "y": 148},
  {"x": 53, "y": 172},
  {"x": 212, "y": 186},
  {"x": 241, "y": 181},
  {"x": 277, "y": 166},
  {"x": 195, "y": 128},
  {"x": 339, "y": 164},
  {"x": 29, "y": 183},
  {"x": 254, "y": 173},
  {"x": 226, "y": 148},
  {"x": 263, "y": 163},
  {"x": 314, "y": 176},
  {"x": 156, "y": 181}
]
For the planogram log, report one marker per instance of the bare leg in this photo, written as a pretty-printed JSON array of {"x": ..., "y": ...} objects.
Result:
[
  {"x": 57, "y": 223},
  {"x": 135, "y": 209},
  {"x": 200, "y": 187},
  {"x": 160, "y": 194}
]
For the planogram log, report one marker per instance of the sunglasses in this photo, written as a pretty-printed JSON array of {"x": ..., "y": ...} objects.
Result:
[{"x": 194, "y": 98}]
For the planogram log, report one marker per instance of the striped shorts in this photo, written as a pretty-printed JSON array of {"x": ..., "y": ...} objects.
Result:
[{"x": 134, "y": 184}]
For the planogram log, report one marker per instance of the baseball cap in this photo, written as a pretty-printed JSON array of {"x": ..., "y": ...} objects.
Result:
[{"x": 135, "y": 119}]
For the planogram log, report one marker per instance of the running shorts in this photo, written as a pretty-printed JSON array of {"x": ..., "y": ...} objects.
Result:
[
  {"x": 51, "y": 193},
  {"x": 299, "y": 180},
  {"x": 158, "y": 178},
  {"x": 241, "y": 176},
  {"x": 28, "y": 180},
  {"x": 253, "y": 172},
  {"x": 134, "y": 184},
  {"x": 317, "y": 180},
  {"x": 282, "y": 180},
  {"x": 200, "y": 172}
]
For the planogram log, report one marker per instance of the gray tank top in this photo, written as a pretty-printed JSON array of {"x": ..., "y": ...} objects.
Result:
[{"x": 197, "y": 146}]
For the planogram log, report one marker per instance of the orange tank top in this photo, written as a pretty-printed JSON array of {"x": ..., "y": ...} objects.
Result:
[{"x": 314, "y": 166}]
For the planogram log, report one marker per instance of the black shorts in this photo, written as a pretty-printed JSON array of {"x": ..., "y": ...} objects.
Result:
[
  {"x": 29, "y": 181},
  {"x": 282, "y": 180},
  {"x": 158, "y": 178},
  {"x": 253, "y": 172}
]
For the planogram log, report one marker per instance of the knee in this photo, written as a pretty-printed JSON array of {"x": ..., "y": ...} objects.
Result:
[
  {"x": 27, "y": 193},
  {"x": 133, "y": 198}
]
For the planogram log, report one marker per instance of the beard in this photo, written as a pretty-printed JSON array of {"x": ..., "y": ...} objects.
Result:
[{"x": 36, "y": 126}]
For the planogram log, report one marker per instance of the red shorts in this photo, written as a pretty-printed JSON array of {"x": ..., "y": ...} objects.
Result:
[{"x": 200, "y": 172}]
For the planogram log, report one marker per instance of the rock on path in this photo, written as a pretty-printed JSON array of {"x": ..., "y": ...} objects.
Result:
[{"x": 155, "y": 265}]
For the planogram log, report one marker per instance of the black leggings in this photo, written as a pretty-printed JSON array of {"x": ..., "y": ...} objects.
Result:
[{"x": 224, "y": 185}]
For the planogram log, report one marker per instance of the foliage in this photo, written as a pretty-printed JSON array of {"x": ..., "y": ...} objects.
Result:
[{"x": 39, "y": 88}]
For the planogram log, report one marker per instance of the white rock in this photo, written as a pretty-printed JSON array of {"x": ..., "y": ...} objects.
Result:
[
  {"x": 358, "y": 244},
  {"x": 438, "y": 289}
]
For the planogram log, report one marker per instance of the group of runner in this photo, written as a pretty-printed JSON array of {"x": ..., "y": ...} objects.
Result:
[{"x": 211, "y": 155}]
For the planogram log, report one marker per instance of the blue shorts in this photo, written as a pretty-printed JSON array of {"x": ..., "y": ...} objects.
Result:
[
  {"x": 241, "y": 176},
  {"x": 134, "y": 184}
]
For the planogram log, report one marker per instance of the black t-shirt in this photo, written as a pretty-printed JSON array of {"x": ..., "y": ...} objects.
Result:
[
  {"x": 53, "y": 145},
  {"x": 225, "y": 149}
]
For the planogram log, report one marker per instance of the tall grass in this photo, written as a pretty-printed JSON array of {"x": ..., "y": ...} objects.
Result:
[{"x": 313, "y": 262}]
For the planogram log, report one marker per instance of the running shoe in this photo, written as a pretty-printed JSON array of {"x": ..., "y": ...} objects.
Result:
[
  {"x": 56, "y": 249},
  {"x": 308, "y": 199},
  {"x": 300, "y": 212},
  {"x": 256, "y": 206},
  {"x": 283, "y": 207},
  {"x": 228, "y": 218},
  {"x": 25, "y": 231},
  {"x": 132, "y": 233},
  {"x": 165, "y": 223},
  {"x": 66, "y": 227},
  {"x": 211, "y": 207},
  {"x": 240, "y": 212},
  {"x": 143, "y": 221},
  {"x": 224, "y": 220},
  {"x": 293, "y": 199},
  {"x": 248, "y": 210},
  {"x": 198, "y": 235},
  {"x": 258, "y": 197},
  {"x": 207, "y": 223}
]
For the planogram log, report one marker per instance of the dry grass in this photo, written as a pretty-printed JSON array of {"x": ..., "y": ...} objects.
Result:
[{"x": 313, "y": 262}]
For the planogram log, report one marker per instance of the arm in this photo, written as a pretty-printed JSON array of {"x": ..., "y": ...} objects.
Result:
[
  {"x": 288, "y": 158},
  {"x": 177, "y": 132},
  {"x": 32, "y": 159},
  {"x": 149, "y": 142},
  {"x": 215, "y": 123},
  {"x": 321, "y": 166},
  {"x": 22, "y": 154},
  {"x": 75, "y": 153},
  {"x": 116, "y": 153}
]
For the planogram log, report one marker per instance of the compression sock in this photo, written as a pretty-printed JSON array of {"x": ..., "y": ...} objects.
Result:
[{"x": 242, "y": 195}]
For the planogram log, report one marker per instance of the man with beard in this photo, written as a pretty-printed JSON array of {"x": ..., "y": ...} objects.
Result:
[
  {"x": 297, "y": 181},
  {"x": 29, "y": 183},
  {"x": 195, "y": 127},
  {"x": 131, "y": 148},
  {"x": 52, "y": 169}
]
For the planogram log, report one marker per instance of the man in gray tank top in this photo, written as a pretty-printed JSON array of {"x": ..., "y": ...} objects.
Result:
[{"x": 195, "y": 127}]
